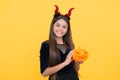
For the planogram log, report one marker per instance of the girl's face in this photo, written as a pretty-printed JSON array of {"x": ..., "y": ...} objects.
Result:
[{"x": 60, "y": 28}]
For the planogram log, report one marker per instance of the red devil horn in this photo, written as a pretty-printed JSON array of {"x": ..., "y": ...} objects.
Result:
[
  {"x": 69, "y": 12},
  {"x": 56, "y": 10}
]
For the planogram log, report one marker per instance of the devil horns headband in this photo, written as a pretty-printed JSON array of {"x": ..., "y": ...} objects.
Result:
[{"x": 57, "y": 13}]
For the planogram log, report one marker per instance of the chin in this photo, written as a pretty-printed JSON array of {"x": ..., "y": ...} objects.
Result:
[{"x": 59, "y": 36}]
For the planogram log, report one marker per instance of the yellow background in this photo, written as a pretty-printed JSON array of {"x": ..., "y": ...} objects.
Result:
[{"x": 24, "y": 24}]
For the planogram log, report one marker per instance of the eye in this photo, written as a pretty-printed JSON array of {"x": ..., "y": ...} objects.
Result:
[
  {"x": 64, "y": 27},
  {"x": 57, "y": 25}
]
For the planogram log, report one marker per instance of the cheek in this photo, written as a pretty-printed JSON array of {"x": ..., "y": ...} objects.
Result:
[
  {"x": 54, "y": 28},
  {"x": 66, "y": 30}
]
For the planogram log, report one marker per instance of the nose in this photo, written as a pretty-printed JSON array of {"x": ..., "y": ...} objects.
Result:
[{"x": 60, "y": 28}]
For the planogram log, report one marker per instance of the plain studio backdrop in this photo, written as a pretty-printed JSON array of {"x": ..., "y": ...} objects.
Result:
[{"x": 24, "y": 24}]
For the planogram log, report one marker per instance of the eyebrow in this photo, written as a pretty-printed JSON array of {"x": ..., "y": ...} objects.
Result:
[{"x": 60, "y": 24}]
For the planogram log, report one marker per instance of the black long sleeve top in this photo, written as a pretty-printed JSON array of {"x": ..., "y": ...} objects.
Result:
[{"x": 44, "y": 59}]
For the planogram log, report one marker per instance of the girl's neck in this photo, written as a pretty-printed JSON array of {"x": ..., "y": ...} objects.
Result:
[{"x": 59, "y": 40}]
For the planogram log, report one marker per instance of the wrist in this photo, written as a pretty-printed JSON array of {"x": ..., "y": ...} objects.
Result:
[{"x": 64, "y": 63}]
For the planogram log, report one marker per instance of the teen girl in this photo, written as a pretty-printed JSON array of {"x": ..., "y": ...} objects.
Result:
[{"x": 56, "y": 53}]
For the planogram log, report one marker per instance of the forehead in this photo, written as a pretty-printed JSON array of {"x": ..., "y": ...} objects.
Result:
[{"x": 61, "y": 21}]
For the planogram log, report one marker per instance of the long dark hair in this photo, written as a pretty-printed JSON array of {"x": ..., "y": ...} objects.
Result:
[{"x": 67, "y": 38}]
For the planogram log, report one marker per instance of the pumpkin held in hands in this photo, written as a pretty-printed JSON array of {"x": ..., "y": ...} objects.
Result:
[{"x": 80, "y": 54}]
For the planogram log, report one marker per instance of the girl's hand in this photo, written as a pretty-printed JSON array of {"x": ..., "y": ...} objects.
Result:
[
  {"x": 78, "y": 62},
  {"x": 68, "y": 59}
]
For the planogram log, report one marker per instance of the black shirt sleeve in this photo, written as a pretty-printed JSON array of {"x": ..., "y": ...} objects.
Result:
[{"x": 44, "y": 56}]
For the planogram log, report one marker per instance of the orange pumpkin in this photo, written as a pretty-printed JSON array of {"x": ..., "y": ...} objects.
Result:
[{"x": 80, "y": 54}]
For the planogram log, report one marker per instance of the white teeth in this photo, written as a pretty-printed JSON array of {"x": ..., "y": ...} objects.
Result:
[{"x": 59, "y": 32}]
